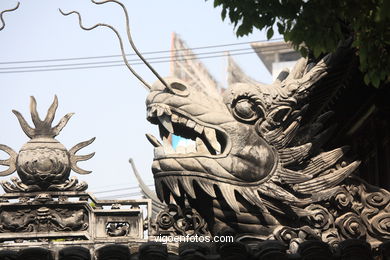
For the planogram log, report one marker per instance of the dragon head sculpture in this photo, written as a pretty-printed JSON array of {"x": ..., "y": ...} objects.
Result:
[
  {"x": 250, "y": 147},
  {"x": 257, "y": 164}
]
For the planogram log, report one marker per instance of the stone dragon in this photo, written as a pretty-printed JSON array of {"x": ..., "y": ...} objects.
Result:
[{"x": 258, "y": 169}]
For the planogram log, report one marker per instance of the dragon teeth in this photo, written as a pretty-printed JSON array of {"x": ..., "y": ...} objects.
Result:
[
  {"x": 252, "y": 197},
  {"x": 150, "y": 113},
  {"x": 172, "y": 184},
  {"x": 229, "y": 196},
  {"x": 200, "y": 146},
  {"x": 160, "y": 111},
  {"x": 199, "y": 128},
  {"x": 175, "y": 118},
  {"x": 169, "y": 198},
  {"x": 188, "y": 187},
  {"x": 190, "y": 123},
  {"x": 207, "y": 187},
  {"x": 166, "y": 122},
  {"x": 153, "y": 110},
  {"x": 183, "y": 120},
  {"x": 167, "y": 118},
  {"x": 211, "y": 136},
  {"x": 167, "y": 111},
  {"x": 159, "y": 190}
]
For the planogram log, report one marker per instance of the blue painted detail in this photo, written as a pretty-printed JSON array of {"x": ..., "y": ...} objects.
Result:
[{"x": 175, "y": 140}]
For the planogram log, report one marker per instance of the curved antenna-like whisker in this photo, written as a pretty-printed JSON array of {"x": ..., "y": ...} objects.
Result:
[
  {"x": 57, "y": 129},
  {"x": 11, "y": 162},
  {"x": 119, "y": 38},
  {"x": 51, "y": 112},
  {"x": 76, "y": 158},
  {"x": 28, "y": 130},
  {"x": 131, "y": 40},
  {"x": 8, "y": 10},
  {"x": 34, "y": 113}
]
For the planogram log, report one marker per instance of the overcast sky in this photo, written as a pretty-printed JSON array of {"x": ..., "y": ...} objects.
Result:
[{"x": 109, "y": 102}]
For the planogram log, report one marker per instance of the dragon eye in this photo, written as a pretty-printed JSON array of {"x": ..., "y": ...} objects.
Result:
[{"x": 246, "y": 110}]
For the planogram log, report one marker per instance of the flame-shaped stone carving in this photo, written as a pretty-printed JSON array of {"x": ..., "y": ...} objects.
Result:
[{"x": 43, "y": 163}]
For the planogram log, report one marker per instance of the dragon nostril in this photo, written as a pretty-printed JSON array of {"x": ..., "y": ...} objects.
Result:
[{"x": 179, "y": 89}]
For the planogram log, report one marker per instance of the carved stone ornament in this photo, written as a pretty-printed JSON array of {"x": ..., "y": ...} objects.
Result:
[
  {"x": 118, "y": 229},
  {"x": 43, "y": 163},
  {"x": 43, "y": 219},
  {"x": 176, "y": 221},
  {"x": 258, "y": 168}
]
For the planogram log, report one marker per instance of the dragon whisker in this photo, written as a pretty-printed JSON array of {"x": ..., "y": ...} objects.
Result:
[
  {"x": 119, "y": 38},
  {"x": 130, "y": 39},
  {"x": 7, "y": 10}
]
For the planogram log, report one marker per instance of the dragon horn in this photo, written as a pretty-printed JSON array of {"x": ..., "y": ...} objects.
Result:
[{"x": 301, "y": 86}]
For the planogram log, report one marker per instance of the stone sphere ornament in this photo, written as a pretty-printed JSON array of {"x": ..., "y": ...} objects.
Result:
[{"x": 43, "y": 163}]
